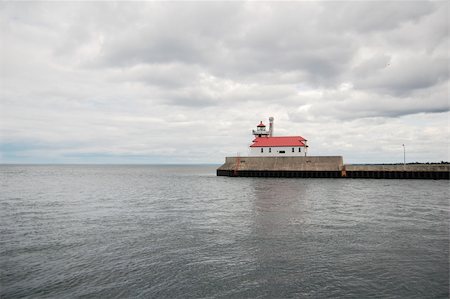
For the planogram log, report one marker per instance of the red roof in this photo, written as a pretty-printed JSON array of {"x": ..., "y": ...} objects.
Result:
[
  {"x": 278, "y": 141},
  {"x": 261, "y": 124}
]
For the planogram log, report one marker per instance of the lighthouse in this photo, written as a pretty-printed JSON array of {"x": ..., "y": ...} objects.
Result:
[
  {"x": 266, "y": 145},
  {"x": 261, "y": 130}
]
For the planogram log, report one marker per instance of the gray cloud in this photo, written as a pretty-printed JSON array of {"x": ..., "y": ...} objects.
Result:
[
  {"x": 136, "y": 78},
  {"x": 405, "y": 76},
  {"x": 374, "y": 16}
]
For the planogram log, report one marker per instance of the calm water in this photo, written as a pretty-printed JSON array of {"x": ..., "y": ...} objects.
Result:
[{"x": 182, "y": 232}]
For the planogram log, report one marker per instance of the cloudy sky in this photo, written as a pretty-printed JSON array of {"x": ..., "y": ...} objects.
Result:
[{"x": 186, "y": 82}]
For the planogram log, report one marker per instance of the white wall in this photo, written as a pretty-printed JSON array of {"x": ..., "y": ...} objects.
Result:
[{"x": 256, "y": 151}]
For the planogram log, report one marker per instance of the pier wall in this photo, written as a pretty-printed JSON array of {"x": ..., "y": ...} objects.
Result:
[
  {"x": 390, "y": 171},
  {"x": 314, "y": 166},
  {"x": 314, "y": 163},
  {"x": 327, "y": 167},
  {"x": 397, "y": 167}
]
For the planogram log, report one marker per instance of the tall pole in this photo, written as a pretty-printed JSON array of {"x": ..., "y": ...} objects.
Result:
[{"x": 404, "y": 154}]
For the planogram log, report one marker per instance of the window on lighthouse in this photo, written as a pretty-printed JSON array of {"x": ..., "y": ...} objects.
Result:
[
  {"x": 299, "y": 149},
  {"x": 262, "y": 150}
]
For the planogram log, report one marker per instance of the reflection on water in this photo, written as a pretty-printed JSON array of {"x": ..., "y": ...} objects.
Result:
[{"x": 353, "y": 238}]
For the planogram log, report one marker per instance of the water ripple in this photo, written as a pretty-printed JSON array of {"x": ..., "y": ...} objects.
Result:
[{"x": 182, "y": 232}]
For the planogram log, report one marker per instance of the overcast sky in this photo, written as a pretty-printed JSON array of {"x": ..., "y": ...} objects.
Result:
[{"x": 186, "y": 82}]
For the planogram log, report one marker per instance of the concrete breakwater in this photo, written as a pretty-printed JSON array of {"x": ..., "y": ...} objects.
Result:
[{"x": 326, "y": 167}]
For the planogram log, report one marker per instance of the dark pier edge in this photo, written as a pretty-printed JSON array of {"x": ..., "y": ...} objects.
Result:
[{"x": 433, "y": 175}]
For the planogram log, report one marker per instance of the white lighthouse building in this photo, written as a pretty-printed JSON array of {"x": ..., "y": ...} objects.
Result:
[{"x": 266, "y": 145}]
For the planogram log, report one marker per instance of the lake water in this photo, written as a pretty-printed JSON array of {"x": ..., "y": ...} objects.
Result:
[{"x": 182, "y": 232}]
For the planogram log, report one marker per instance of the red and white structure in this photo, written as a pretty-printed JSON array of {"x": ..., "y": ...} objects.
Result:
[{"x": 266, "y": 145}]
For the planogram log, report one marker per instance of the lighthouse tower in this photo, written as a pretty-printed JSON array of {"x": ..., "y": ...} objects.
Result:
[{"x": 261, "y": 131}]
